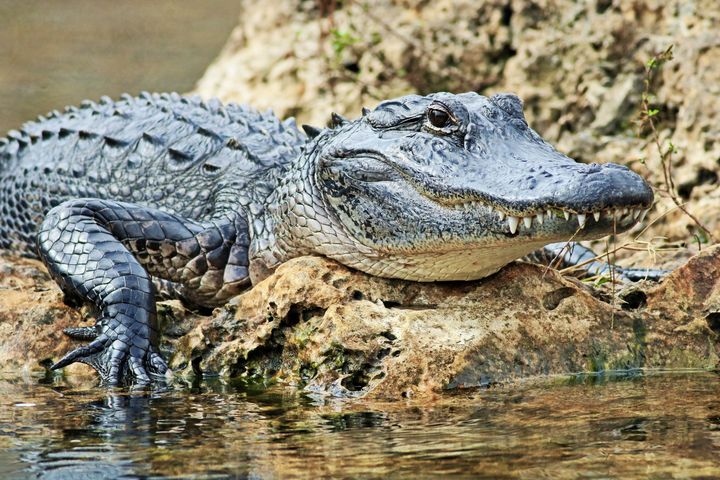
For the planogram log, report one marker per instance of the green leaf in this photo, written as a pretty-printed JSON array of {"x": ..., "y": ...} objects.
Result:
[
  {"x": 341, "y": 40},
  {"x": 602, "y": 280}
]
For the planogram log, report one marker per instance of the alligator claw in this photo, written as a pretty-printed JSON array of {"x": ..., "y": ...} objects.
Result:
[
  {"x": 81, "y": 333},
  {"x": 80, "y": 353},
  {"x": 138, "y": 370},
  {"x": 158, "y": 364},
  {"x": 117, "y": 362}
]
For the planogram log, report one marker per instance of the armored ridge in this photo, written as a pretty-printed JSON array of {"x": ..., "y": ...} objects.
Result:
[
  {"x": 165, "y": 151},
  {"x": 162, "y": 195}
]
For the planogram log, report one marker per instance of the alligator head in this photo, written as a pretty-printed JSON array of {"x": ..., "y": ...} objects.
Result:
[{"x": 446, "y": 187}]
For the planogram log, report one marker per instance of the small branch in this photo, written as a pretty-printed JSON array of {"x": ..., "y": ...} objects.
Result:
[{"x": 646, "y": 120}]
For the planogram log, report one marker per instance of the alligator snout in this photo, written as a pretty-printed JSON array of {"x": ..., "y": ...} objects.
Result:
[{"x": 598, "y": 187}]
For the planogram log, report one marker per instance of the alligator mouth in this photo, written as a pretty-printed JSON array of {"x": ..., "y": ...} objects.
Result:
[
  {"x": 622, "y": 217},
  {"x": 596, "y": 199},
  {"x": 620, "y": 202}
]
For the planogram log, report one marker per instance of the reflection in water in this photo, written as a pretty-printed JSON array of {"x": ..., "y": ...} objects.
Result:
[{"x": 657, "y": 426}]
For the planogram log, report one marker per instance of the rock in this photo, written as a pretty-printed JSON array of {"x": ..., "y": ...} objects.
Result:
[
  {"x": 691, "y": 294},
  {"x": 331, "y": 330},
  {"x": 32, "y": 316},
  {"x": 317, "y": 324}
]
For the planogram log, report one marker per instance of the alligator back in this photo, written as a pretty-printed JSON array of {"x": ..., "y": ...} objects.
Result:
[{"x": 165, "y": 151}]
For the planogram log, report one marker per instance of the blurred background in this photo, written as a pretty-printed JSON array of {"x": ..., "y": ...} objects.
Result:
[
  {"x": 592, "y": 74},
  {"x": 54, "y": 53}
]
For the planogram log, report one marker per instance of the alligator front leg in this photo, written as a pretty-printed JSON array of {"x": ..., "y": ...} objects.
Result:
[{"x": 105, "y": 252}]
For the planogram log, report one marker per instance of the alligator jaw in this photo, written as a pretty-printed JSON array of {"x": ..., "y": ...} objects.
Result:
[{"x": 610, "y": 219}]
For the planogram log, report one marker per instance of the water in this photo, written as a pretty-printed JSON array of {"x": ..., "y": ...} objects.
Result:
[
  {"x": 56, "y": 53},
  {"x": 661, "y": 426}
]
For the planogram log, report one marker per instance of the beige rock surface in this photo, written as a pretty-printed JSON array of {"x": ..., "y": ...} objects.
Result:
[
  {"x": 320, "y": 326},
  {"x": 316, "y": 324},
  {"x": 32, "y": 316}
]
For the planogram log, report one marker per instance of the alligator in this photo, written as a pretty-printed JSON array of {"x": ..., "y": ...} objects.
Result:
[{"x": 166, "y": 196}]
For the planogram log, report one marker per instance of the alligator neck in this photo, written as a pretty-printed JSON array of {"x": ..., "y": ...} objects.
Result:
[
  {"x": 296, "y": 221},
  {"x": 276, "y": 229}
]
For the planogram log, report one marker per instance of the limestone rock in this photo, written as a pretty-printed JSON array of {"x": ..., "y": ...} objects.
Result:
[
  {"x": 32, "y": 316},
  {"x": 331, "y": 330},
  {"x": 317, "y": 324}
]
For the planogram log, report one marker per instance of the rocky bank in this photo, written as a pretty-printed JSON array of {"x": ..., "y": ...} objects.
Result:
[
  {"x": 578, "y": 66},
  {"x": 318, "y": 325}
]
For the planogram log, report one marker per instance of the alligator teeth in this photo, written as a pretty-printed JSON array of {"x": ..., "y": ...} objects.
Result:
[
  {"x": 616, "y": 214},
  {"x": 581, "y": 219}
]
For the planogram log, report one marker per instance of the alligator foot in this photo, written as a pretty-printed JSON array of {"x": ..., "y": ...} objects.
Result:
[
  {"x": 116, "y": 353},
  {"x": 90, "y": 262},
  {"x": 569, "y": 254}
]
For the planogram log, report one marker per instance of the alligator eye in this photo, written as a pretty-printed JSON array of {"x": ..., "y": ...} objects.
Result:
[{"x": 438, "y": 117}]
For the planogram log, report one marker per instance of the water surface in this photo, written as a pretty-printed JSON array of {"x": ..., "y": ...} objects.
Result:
[{"x": 660, "y": 426}]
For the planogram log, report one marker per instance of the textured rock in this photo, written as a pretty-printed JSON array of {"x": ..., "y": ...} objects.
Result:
[
  {"x": 579, "y": 66},
  {"x": 317, "y": 324},
  {"x": 32, "y": 316},
  {"x": 328, "y": 329}
]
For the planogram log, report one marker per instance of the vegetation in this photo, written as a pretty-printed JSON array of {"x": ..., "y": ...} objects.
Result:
[{"x": 647, "y": 126}]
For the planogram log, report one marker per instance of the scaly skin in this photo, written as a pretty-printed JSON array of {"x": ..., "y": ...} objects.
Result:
[{"x": 162, "y": 195}]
